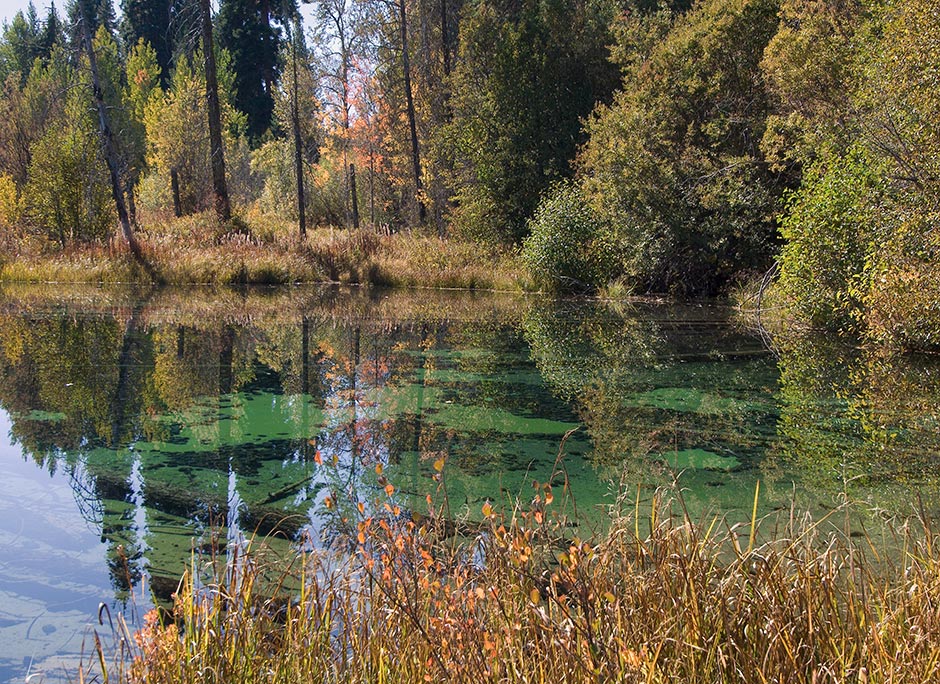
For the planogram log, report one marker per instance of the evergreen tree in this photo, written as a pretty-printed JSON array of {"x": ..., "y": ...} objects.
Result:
[
  {"x": 149, "y": 20},
  {"x": 527, "y": 75},
  {"x": 52, "y": 33},
  {"x": 21, "y": 44},
  {"x": 244, "y": 30}
]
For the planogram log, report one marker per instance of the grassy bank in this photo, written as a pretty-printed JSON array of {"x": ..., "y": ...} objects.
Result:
[
  {"x": 264, "y": 250},
  {"x": 656, "y": 598}
]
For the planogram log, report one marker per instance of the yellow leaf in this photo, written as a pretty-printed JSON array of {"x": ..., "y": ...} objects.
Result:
[
  {"x": 534, "y": 596},
  {"x": 487, "y": 509},
  {"x": 378, "y": 468},
  {"x": 439, "y": 465}
]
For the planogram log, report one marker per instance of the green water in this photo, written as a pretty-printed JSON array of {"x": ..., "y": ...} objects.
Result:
[{"x": 140, "y": 426}]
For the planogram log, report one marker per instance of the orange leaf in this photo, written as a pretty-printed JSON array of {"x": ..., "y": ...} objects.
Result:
[
  {"x": 318, "y": 458},
  {"x": 328, "y": 502},
  {"x": 389, "y": 489},
  {"x": 378, "y": 468},
  {"x": 361, "y": 506}
]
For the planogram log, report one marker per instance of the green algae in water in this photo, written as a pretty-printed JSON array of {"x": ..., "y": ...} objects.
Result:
[{"x": 699, "y": 459}]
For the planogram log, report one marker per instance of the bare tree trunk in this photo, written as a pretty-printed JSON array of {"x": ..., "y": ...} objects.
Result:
[
  {"x": 354, "y": 197},
  {"x": 110, "y": 151},
  {"x": 295, "y": 123},
  {"x": 409, "y": 99},
  {"x": 175, "y": 187},
  {"x": 222, "y": 206}
]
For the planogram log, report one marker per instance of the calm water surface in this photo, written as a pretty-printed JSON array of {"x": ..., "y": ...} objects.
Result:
[{"x": 137, "y": 427}]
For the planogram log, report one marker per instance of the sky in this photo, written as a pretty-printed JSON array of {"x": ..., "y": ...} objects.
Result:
[{"x": 9, "y": 8}]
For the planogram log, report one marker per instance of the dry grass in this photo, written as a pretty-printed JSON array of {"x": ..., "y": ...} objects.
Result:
[
  {"x": 656, "y": 598},
  {"x": 263, "y": 250}
]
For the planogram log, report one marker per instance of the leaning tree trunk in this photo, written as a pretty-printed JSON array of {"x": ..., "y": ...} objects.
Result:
[
  {"x": 110, "y": 150},
  {"x": 409, "y": 100},
  {"x": 222, "y": 206}
]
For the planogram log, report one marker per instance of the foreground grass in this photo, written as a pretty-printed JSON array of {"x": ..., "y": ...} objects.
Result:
[
  {"x": 264, "y": 250},
  {"x": 657, "y": 599}
]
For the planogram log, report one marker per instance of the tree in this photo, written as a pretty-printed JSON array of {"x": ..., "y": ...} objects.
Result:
[
  {"x": 244, "y": 30},
  {"x": 21, "y": 44},
  {"x": 339, "y": 43},
  {"x": 149, "y": 21},
  {"x": 674, "y": 163},
  {"x": 216, "y": 151},
  {"x": 526, "y": 76}
]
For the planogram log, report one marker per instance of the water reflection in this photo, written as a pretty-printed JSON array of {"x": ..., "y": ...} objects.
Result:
[{"x": 185, "y": 419}]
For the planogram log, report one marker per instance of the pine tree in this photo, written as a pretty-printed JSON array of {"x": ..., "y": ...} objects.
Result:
[
  {"x": 149, "y": 20},
  {"x": 244, "y": 30},
  {"x": 52, "y": 33}
]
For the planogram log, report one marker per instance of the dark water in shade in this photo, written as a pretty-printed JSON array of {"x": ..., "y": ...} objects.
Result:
[{"x": 137, "y": 427}]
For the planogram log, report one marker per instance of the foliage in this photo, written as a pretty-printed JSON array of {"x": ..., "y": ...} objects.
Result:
[
  {"x": 862, "y": 228},
  {"x": 244, "y": 30},
  {"x": 177, "y": 135},
  {"x": 674, "y": 163},
  {"x": 68, "y": 195},
  {"x": 829, "y": 229},
  {"x": 519, "y": 93},
  {"x": 569, "y": 247},
  {"x": 147, "y": 22}
]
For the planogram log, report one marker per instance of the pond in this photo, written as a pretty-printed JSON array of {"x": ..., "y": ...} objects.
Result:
[{"x": 139, "y": 427}]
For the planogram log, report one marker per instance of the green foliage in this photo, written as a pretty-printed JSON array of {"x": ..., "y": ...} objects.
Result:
[
  {"x": 829, "y": 230},
  {"x": 674, "y": 162},
  {"x": 148, "y": 21},
  {"x": 67, "y": 196},
  {"x": 177, "y": 137},
  {"x": 244, "y": 31},
  {"x": 569, "y": 247},
  {"x": 21, "y": 44},
  {"x": 862, "y": 230},
  {"x": 526, "y": 77}
]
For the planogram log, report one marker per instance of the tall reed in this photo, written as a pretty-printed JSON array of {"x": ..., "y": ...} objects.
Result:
[{"x": 657, "y": 597}]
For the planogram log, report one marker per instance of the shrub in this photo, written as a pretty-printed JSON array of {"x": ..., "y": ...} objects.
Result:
[{"x": 569, "y": 248}]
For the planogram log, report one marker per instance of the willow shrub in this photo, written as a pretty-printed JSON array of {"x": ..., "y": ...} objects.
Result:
[{"x": 569, "y": 248}]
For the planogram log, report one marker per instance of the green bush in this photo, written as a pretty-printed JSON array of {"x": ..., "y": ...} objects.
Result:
[
  {"x": 828, "y": 231},
  {"x": 569, "y": 248}
]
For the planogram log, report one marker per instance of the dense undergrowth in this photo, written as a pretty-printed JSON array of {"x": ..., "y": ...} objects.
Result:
[
  {"x": 657, "y": 597},
  {"x": 265, "y": 250}
]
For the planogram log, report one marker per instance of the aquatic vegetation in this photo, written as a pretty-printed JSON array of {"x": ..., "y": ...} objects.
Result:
[{"x": 657, "y": 597}]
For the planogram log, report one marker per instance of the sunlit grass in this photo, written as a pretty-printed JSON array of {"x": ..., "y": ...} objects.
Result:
[
  {"x": 265, "y": 250},
  {"x": 655, "y": 598}
]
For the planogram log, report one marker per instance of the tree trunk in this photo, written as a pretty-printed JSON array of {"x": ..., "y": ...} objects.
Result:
[
  {"x": 110, "y": 151},
  {"x": 445, "y": 45},
  {"x": 222, "y": 207},
  {"x": 175, "y": 187},
  {"x": 409, "y": 100},
  {"x": 354, "y": 197},
  {"x": 298, "y": 150}
]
